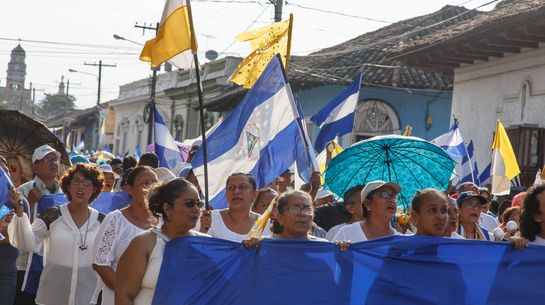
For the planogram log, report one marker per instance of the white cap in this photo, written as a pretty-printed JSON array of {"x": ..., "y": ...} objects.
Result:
[
  {"x": 107, "y": 168},
  {"x": 42, "y": 151},
  {"x": 373, "y": 185},
  {"x": 164, "y": 174},
  {"x": 321, "y": 193}
]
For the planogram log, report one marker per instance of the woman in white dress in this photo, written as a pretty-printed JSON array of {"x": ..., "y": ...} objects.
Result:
[
  {"x": 120, "y": 227},
  {"x": 379, "y": 199},
  {"x": 237, "y": 220},
  {"x": 532, "y": 219},
  {"x": 178, "y": 203},
  {"x": 67, "y": 233}
]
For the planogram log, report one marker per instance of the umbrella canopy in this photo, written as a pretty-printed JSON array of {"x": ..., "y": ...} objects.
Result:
[
  {"x": 411, "y": 162},
  {"x": 20, "y": 135},
  {"x": 103, "y": 155}
]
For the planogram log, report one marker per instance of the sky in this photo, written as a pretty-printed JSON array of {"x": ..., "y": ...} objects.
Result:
[{"x": 59, "y": 35}]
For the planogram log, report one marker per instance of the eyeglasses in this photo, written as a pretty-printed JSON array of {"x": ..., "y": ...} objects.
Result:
[
  {"x": 49, "y": 160},
  {"x": 190, "y": 203},
  {"x": 84, "y": 182},
  {"x": 469, "y": 204},
  {"x": 296, "y": 209},
  {"x": 387, "y": 195}
]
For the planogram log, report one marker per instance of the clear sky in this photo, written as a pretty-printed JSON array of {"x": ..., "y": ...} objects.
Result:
[{"x": 78, "y": 31}]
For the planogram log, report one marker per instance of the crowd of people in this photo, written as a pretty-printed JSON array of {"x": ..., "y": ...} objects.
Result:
[{"x": 92, "y": 258}]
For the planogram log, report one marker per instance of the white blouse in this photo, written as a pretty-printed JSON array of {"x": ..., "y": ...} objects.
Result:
[
  {"x": 113, "y": 238},
  {"x": 218, "y": 229},
  {"x": 67, "y": 277},
  {"x": 354, "y": 233}
]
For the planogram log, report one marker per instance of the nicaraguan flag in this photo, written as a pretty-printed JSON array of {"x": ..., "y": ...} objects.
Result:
[
  {"x": 484, "y": 177},
  {"x": 306, "y": 155},
  {"x": 165, "y": 147},
  {"x": 469, "y": 171},
  {"x": 337, "y": 117},
  {"x": 452, "y": 142},
  {"x": 258, "y": 137}
]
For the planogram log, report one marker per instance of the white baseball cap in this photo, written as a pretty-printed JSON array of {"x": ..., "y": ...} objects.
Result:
[
  {"x": 42, "y": 151},
  {"x": 321, "y": 193},
  {"x": 373, "y": 185},
  {"x": 107, "y": 168}
]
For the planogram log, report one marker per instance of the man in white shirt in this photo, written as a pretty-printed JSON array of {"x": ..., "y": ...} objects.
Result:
[{"x": 45, "y": 164}]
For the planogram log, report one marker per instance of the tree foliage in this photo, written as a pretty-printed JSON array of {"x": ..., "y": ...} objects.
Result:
[{"x": 54, "y": 103}]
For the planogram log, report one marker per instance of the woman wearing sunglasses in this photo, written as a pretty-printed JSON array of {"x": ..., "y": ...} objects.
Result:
[
  {"x": 178, "y": 203},
  {"x": 67, "y": 233},
  {"x": 120, "y": 227},
  {"x": 379, "y": 199}
]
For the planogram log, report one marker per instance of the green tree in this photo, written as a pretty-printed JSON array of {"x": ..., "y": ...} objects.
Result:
[{"x": 54, "y": 103}]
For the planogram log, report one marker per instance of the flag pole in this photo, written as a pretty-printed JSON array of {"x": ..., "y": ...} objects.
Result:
[{"x": 201, "y": 107}]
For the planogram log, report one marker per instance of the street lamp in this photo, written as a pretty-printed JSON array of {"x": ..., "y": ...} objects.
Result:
[
  {"x": 92, "y": 74},
  {"x": 117, "y": 37}
]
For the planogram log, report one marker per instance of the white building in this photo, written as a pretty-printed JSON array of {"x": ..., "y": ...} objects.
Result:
[
  {"x": 176, "y": 100},
  {"x": 498, "y": 61}
]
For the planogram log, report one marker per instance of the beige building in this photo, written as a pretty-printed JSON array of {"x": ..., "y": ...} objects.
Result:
[{"x": 176, "y": 101}]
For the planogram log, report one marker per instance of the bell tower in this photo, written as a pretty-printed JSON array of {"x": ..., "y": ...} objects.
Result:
[{"x": 15, "y": 79}]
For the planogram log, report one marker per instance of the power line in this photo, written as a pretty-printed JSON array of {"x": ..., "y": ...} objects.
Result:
[
  {"x": 86, "y": 45},
  {"x": 368, "y": 46},
  {"x": 337, "y": 13},
  {"x": 247, "y": 28}
]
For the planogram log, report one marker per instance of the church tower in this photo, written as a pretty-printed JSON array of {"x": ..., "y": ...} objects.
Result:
[{"x": 15, "y": 79}]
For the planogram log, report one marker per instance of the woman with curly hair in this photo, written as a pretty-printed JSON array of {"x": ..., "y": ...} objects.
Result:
[
  {"x": 67, "y": 233},
  {"x": 532, "y": 218}
]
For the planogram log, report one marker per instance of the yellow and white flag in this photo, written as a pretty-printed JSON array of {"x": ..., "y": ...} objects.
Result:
[
  {"x": 504, "y": 162},
  {"x": 175, "y": 40},
  {"x": 266, "y": 42},
  {"x": 334, "y": 148}
]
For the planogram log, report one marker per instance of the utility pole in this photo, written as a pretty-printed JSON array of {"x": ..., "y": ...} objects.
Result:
[
  {"x": 99, "y": 65},
  {"x": 277, "y": 9},
  {"x": 152, "y": 85}
]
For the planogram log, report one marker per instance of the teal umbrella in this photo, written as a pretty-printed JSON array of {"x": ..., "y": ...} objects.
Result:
[{"x": 411, "y": 162}]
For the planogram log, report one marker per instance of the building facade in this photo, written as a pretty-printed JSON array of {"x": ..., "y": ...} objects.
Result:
[
  {"x": 498, "y": 62},
  {"x": 176, "y": 101}
]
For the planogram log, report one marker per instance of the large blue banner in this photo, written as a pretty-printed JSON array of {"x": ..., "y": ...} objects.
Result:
[{"x": 394, "y": 270}]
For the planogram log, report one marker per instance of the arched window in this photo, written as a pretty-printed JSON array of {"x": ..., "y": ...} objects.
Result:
[{"x": 373, "y": 118}]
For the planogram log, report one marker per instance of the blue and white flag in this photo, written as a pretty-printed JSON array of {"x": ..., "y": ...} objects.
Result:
[
  {"x": 306, "y": 155},
  {"x": 80, "y": 147},
  {"x": 337, "y": 117},
  {"x": 5, "y": 184},
  {"x": 165, "y": 147},
  {"x": 452, "y": 142},
  {"x": 469, "y": 171},
  {"x": 259, "y": 136},
  {"x": 137, "y": 152},
  {"x": 484, "y": 177}
]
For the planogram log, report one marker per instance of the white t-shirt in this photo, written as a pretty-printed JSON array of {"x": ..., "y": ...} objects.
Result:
[
  {"x": 488, "y": 222},
  {"x": 333, "y": 231},
  {"x": 456, "y": 235},
  {"x": 218, "y": 229},
  {"x": 354, "y": 233},
  {"x": 538, "y": 241}
]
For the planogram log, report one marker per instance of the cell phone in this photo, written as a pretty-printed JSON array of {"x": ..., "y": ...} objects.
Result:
[{"x": 4, "y": 210}]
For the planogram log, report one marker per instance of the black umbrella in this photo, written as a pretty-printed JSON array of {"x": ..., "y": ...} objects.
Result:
[{"x": 20, "y": 135}]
